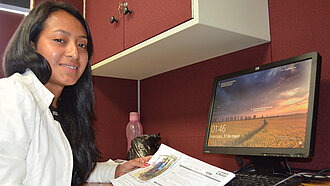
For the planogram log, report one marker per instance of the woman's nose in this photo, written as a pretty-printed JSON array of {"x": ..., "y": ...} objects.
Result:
[{"x": 72, "y": 50}]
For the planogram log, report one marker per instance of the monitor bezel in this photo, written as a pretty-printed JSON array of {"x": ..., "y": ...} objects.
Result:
[{"x": 308, "y": 149}]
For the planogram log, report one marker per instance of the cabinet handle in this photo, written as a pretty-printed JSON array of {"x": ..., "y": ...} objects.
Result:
[
  {"x": 126, "y": 10},
  {"x": 113, "y": 19}
]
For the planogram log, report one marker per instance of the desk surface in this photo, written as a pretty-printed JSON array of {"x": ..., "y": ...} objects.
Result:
[{"x": 316, "y": 183}]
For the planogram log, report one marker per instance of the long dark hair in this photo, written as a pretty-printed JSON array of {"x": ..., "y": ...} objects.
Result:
[{"x": 75, "y": 105}]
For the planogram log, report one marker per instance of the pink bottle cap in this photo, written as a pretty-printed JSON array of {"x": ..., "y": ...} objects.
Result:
[{"x": 134, "y": 116}]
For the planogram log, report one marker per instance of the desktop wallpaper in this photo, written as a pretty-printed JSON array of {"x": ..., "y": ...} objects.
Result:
[{"x": 262, "y": 109}]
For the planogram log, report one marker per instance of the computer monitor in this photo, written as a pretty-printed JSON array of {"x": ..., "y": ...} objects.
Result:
[{"x": 267, "y": 111}]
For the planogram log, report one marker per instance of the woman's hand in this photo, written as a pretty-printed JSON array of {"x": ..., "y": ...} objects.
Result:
[{"x": 132, "y": 165}]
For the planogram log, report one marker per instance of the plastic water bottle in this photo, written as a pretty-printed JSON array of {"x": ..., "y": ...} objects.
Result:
[{"x": 133, "y": 128}]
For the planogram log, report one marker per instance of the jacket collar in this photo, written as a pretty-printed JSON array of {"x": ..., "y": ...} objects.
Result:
[{"x": 42, "y": 95}]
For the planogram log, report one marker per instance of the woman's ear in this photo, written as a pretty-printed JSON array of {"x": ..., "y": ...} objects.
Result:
[{"x": 33, "y": 45}]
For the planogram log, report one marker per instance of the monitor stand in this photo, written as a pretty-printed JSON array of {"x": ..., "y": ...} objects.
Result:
[{"x": 268, "y": 165}]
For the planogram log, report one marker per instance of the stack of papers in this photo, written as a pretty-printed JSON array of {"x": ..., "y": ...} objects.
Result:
[{"x": 171, "y": 167}]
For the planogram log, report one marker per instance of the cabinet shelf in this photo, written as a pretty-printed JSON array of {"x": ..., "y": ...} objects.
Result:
[{"x": 218, "y": 27}]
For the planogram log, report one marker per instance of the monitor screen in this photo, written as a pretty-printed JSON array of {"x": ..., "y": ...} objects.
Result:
[{"x": 269, "y": 110}]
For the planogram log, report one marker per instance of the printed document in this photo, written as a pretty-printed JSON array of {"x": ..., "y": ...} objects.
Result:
[{"x": 171, "y": 167}]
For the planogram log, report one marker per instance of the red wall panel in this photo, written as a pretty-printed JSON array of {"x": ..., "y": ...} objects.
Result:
[
  {"x": 176, "y": 103},
  {"x": 8, "y": 24},
  {"x": 114, "y": 99}
]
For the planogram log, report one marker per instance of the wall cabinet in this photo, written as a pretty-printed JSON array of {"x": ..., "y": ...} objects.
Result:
[
  {"x": 186, "y": 32},
  {"x": 143, "y": 20},
  {"x": 107, "y": 37}
]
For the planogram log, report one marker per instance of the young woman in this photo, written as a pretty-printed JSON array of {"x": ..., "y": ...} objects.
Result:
[{"x": 46, "y": 107}]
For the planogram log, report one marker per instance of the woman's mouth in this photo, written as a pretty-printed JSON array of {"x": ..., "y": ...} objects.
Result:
[{"x": 72, "y": 67}]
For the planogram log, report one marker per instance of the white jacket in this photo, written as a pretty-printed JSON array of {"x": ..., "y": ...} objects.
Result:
[{"x": 34, "y": 151}]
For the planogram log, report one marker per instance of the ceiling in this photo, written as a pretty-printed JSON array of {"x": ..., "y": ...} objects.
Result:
[
  {"x": 19, "y": 3},
  {"x": 15, "y": 6}
]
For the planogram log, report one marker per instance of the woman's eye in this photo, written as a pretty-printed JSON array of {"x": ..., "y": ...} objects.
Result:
[
  {"x": 82, "y": 45},
  {"x": 59, "y": 40}
]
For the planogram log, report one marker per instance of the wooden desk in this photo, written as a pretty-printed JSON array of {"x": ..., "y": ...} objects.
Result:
[{"x": 316, "y": 183}]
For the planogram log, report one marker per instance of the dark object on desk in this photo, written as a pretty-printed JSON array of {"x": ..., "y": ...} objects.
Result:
[
  {"x": 250, "y": 179},
  {"x": 143, "y": 145}
]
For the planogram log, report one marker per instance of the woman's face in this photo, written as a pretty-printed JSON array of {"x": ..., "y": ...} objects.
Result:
[{"x": 63, "y": 42}]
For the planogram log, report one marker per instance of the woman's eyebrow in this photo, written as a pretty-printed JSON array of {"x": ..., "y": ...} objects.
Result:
[{"x": 68, "y": 33}]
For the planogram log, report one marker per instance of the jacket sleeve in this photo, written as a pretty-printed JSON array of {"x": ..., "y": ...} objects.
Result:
[
  {"x": 15, "y": 114},
  {"x": 103, "y": 172}
]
